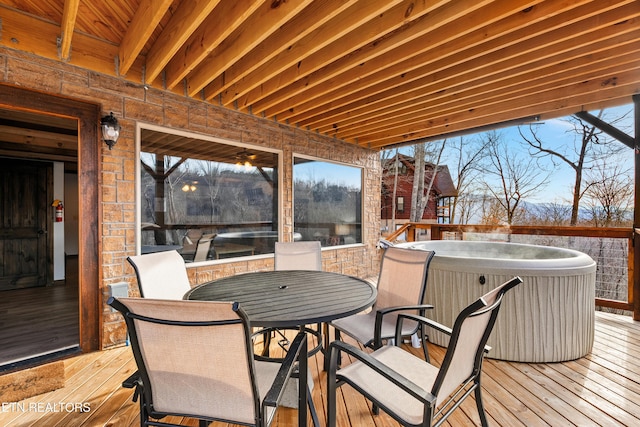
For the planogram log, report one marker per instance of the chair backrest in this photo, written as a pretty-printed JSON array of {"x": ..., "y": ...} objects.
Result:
[
  {"x": 161, "y": 275},
  {"x": 298, "y": 256},
  {"x": 403, "y": 277},
  {"x": 194, "y": 357},
  {"x": 202, "y": 248},
  {"x": 469, "y": 336}
]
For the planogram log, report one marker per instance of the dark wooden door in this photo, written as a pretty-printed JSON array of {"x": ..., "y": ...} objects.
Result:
[{"x": 25, "y": 190}]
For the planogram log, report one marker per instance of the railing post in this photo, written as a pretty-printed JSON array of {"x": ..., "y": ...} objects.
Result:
[{"x": 636, "y": 213}]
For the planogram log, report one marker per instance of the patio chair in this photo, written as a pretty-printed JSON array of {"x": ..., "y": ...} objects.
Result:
[
  {"x": 293, "y": 256},
  {"x": 202, "y": 247},
  {"x": 402, "y": 284},
  {"x": 161, "y": 275},
  {"x": 195, "y": 360},
  {"x": 298, "y": 256},
  {"x": 411, "y": 390}
]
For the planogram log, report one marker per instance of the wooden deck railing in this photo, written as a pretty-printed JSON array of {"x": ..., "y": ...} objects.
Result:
[{"x": 437, "y": 231}]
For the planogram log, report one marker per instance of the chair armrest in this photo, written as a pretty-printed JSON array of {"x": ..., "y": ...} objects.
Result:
[
  {"x": 297, "y": 350},
  {"x": 425, "y": 321},
  {"x": 420, "y": 307},
  {"x": 377, "y": 339},
  {"x": 134, "y": 381},
  {"x": 408, "y": 386}
]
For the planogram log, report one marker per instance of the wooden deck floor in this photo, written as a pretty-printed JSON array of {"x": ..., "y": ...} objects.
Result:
[{"x": 600, "y": 389}]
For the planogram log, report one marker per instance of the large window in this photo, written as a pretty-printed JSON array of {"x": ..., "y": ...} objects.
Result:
[
  {"x": 327, "y": 201},
  {"x": 206, "y": 198}
]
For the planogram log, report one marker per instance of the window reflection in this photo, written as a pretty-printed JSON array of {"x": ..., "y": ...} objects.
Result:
[
  {"x": 327, "y": 202},
  {"x": 208, "y": 199}
]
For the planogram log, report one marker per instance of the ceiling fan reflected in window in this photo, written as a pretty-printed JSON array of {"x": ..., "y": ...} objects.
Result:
[
  {"x": 187, "y": 187},
  {"x": 245, "y": 158}
]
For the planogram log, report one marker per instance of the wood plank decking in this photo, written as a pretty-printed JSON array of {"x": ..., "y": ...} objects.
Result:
[{"x": 600, "y": 389}]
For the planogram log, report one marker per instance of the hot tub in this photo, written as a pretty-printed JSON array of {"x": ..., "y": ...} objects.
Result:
[{"x": 548, "y": 318}]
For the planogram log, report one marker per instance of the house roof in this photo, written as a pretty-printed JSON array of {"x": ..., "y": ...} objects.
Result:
[{"x": 373, "y": 72}]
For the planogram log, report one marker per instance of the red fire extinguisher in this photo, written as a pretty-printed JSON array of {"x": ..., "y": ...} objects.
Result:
[{"x": 59, "y": 210}]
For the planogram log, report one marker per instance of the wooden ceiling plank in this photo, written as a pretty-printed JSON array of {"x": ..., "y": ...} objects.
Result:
[
  {"x": 208, "y": 36},
  {"x": 144, "y": 22},
  {"x": 311, "y": 35},
  {"x": 184, "y": 22},
  {"x": 480, "y": 43},
  {"x": 69, "y": 16},
  {"x": 553, "y": 98},
  {"x": 384, "y": 52},
  {"x": 553, "y": 109},
  {"x": 492, "y": 59},
  {"x": 467, "y": 77},
  {"x": 492, "y": 94},
  {"x": 253, "y": 31}
]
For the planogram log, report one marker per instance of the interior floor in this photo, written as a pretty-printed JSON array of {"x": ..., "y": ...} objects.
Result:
[{"x": 37, "y": 323}]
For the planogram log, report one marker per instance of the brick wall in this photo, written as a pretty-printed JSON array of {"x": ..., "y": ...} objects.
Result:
[{"x": 133, "y": 103}]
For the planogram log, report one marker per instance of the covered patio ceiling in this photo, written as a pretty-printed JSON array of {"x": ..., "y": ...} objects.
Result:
[{"x": 372, "y": 72}]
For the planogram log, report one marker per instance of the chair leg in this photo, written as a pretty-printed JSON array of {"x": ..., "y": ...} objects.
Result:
[
  {"x": 423, "y": 340},
  {"x": 338, "y": 337},
  {"x": 481, "y": 413},
  {"x": 331, "y": 387}
]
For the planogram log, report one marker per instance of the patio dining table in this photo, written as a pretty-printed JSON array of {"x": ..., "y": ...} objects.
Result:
[
  {"x": 290, "y": 299},
  {"x": 294, "y": 298}
]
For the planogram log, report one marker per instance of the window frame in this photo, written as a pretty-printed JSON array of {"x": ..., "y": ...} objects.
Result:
[
  {"x": 190, "y": 134},
  {"x": 362, "y": 195}
]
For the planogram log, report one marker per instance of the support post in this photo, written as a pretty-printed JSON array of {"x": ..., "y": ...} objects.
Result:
[{"x": 635, "y": 296}]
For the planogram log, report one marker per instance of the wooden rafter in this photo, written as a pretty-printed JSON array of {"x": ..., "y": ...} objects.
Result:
[
  {"x": 144, "y": 22},
  {"x": 266, "y": 20},
  {"x": 183, "y": 23},
  {"x": 67, "y": 26},
  {"x": 370, "y": 72}
]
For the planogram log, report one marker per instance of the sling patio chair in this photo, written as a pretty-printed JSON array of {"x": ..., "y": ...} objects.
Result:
[
  {"x": 402, "y": 284},
  {"x": 203, "y": 247},
  {"x": 195, "y": 359},
  {"x": 161, "y": 275},
  {"x": 295, "y": 256},
  {"x": 411, "y": 390},
  {"x": 298, "y": 256}
]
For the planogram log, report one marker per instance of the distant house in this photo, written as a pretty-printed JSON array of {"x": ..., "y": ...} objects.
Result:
[{"x": 442, "y": 192}]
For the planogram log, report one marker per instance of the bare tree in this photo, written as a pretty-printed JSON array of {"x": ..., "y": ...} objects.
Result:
[
  {"x": 609, "y": 195},
  {"x": 515, "y": 178},
  {"x": 467, "y": 156},
  {"x": 589, "y": 146},
  {"x": 420, "y": 195}
]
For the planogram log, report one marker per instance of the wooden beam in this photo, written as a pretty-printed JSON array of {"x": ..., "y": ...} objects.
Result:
[
  {"x": 317, "y": 75},
  {"x": 144, "y": 22},
  {"x": 252, "y": 32},
  {"x": 428, "y": 109},
  {"x": 69, "y": 16},
  {"x": 300, "y": 38},
  {"x": 461, "y": 86},
  {"x": 477, "y": 60},
  {"x": 553, "y": 103},
  {"x": 488, "y": 45},
  {"x": 183, "y": 23},
  {"x": 207, "y": 37}
]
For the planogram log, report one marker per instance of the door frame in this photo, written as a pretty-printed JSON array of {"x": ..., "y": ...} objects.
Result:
[{"x": 90, "y": 206}]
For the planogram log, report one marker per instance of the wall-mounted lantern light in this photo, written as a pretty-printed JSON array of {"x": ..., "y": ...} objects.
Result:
[{"x": 110, "y": 130}]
